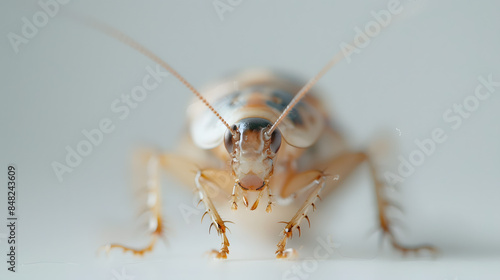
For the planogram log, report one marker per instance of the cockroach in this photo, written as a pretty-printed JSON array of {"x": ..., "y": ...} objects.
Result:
[{"x": 261, "y": 138}]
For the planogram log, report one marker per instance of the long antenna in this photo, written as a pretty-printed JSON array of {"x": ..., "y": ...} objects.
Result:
[
  {"x": 305, "y": 89},
  {"x": 117, "y": 34}
]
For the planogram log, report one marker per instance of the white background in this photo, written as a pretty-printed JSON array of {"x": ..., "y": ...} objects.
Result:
[{"x": 66, "y": 77}]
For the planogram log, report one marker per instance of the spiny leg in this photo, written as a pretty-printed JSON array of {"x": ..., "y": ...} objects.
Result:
[
  {"x": 341, "y": 167},
  {"x": 184, "y": 170},
  {"x": 385, "y": 224},
  {"x": 217, "y": 221},
  {"x": 153, "y": 207},
  {"x": 318, "y": 184}
]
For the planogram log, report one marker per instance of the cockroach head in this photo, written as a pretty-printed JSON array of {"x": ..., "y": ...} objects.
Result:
[{"x": 253, "y": 151}]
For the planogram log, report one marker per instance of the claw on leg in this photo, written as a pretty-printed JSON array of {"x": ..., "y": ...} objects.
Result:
[
  {"x": 218, "y": 254},
  {"x": 158, "y": 232},
  {"x": 413, "y": 249},
  {"x": 289, "y": 253},
  {"x": 224, "y": 250},
  {"x": 404, "y": 249}
]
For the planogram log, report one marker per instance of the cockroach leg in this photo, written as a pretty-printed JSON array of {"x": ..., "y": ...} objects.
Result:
[
  {"x": 153, "y": 206},
  {"x": 217, "y": 221},
  {"x": 318, "y": 184},
  {"x": 343, "y": 165},
  {"x": 385, "y": 224}
]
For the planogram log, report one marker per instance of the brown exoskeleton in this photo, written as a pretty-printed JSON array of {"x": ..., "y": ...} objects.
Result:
[{"x": 261, "y": 138}]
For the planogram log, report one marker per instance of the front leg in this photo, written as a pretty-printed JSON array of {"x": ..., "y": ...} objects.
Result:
[
  {"x": 317, "y": 184},
  {"x": 201, "y": 181},
  {"x": 341, "y": 166},
  {"x": 189, "y": 173}
]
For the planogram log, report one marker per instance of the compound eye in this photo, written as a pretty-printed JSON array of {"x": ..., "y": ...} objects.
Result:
[
  {"x": 228, "y": 140},
  {"x": 275, "y": 141}
]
